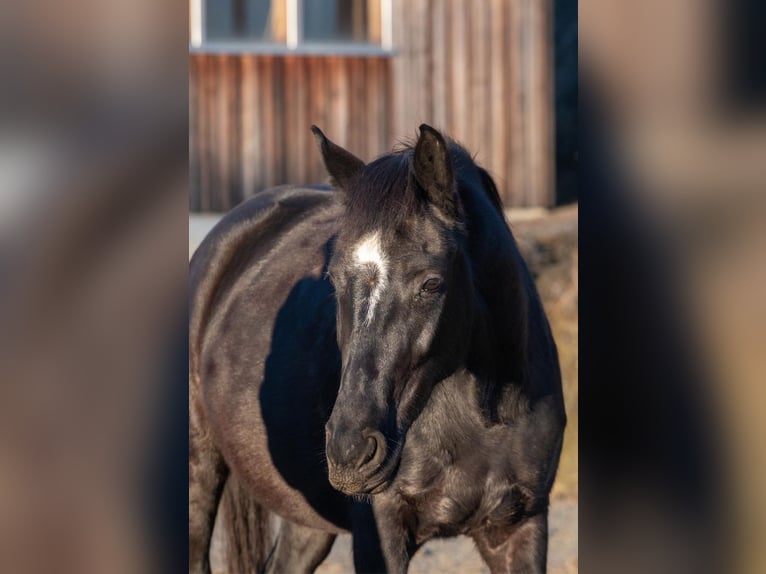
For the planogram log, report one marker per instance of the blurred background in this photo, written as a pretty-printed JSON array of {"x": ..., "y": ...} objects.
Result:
[{"x": 673, "y": 273}]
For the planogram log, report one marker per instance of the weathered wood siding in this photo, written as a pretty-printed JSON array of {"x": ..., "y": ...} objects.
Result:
[
  {"x": 481, "y": 70},
  {"x": 250, "y": 118}
]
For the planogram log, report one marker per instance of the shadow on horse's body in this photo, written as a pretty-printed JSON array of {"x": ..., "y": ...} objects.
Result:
[{"x": 372, "y": 360}]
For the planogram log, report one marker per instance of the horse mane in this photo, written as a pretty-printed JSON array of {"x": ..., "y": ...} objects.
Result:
[{"x": 384, "y": 196}]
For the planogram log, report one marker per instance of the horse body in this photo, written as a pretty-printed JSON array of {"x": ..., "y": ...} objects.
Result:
[
  {"x": 439, "y": 408},
  {"x": 260, "y": 305}
]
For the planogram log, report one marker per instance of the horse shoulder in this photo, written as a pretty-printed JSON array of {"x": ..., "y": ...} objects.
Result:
[{"x": 234, "y": 251}]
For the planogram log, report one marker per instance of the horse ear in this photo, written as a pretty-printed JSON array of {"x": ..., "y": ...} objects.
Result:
[
  {"x": 341, "y": 164},
  {"x": 432, "y": 168}
]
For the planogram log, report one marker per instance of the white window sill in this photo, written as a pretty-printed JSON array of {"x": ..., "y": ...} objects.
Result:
[{"x": 305, "y": 49}]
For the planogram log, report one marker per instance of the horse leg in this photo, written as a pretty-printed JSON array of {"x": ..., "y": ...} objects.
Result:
[
  {"x": 299, "y": 549},
  {"x": 207, "y": 475},
  {"x": 381, "y": 542},
  {"x": 518, "y": 549}
]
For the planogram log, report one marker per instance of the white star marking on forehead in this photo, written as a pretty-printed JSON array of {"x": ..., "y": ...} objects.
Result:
[{"x": 369, "y": 252}]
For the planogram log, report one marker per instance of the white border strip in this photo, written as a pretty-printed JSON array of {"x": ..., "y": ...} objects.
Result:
[{"x": 351, "y": 50}]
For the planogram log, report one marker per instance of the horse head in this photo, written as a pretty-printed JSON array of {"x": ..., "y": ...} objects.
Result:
[{"x": 404, "y": 301}]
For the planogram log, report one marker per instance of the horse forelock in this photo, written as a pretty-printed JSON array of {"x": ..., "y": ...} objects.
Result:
[
  {"x": 382, "y": 197},
  {"x": 385, "y": 195}
]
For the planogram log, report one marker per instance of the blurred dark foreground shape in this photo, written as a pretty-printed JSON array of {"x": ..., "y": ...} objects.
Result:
[
  {"x": 91, "y": 303},
  {"x": 93, "y": 219},
  {"x": 672, "y": 235}
]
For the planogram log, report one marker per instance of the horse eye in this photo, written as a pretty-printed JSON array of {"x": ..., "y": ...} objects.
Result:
[{"x": 431, "y": 285}]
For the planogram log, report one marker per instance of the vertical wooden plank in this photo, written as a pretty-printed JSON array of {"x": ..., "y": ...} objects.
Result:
[
  {"x": 423, "y": 45},
  {"x": 515, "y": 164},
  {"x": 339, "y": 82},
  {"x": 376, "y": 95},
  {"x": 318, "y": 110},
  {"x": 234, "y": 193},
  {"x": 385, "y": 93},
  {"x": 480, "y": 89},
  {"x": 211, "y": 77},
  {"x": 357, "y": 142},
  {"x": 348, "y": 122},
  {"x": 295, "y": 127},
  {"x": 499, "y": 125},
  {"x": 208, "y": 133},
  {"x": 297, "y": 144},
  {"x": 289, "y": 125},
  {"x": 437, "y": 54},
  {"x": 260, "y": 143},
  {"x": 372, "y": 94},
  {"x": 218, "y": 129},
  {"x": 449, "y": 93},
  {"x": 338, "y": 78},
  {"x": 410, "y": 78},
  {"x": 388, "y": 137},
  {"x": 252, "y": 160},
  {"x": 225, "y": 127},
  {"x": 401, "y": 67},
  {"x": 417, "y": 72},
  {"x": 265, "y": 76},
  {"x": 467, "y": 15},
  {"x": 541, "y": 134},
  {"x": 364, "y": 118},
  {"x": 309, "y": 146},
  {"x": 194, "y": 139},
  {"x": 277, "y": 136},
  {"x": 221, "y": 143},
  {"x": 459, "y": 65}
]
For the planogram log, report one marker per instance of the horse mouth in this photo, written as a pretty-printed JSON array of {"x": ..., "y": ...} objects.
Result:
[
  {"x": 375, "y": 482},
  {"x": 356, "y": 489},
  {"x": 355, "y": 485},
  {"x": 374, "y": 485}
]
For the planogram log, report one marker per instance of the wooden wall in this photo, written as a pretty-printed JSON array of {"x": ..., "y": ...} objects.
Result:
[
  {"x": 481, "y": 70},
  {"x": 250, "y": 117}
]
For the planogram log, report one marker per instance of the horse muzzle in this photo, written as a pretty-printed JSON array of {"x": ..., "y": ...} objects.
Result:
[{"x": 355, "y": 460}]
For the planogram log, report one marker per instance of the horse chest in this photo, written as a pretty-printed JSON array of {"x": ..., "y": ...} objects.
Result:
[
  {"x": 445, "y": 497},
  {"x": 463, "y": 505}
]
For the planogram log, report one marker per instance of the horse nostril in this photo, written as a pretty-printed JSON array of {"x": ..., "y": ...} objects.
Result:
[
  {"x": 375, "y": 451},
  {"x": 372, "y": 447}
]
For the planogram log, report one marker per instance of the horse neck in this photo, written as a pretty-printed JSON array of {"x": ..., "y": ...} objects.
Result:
[
  {"x": 501, "y": 313},
  {"x": 506, "y": 327}
]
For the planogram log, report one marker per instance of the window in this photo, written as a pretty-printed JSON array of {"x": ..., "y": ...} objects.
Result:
[
  {"x": 284, "y": 26},
  {"x": 258, "y": 21}
]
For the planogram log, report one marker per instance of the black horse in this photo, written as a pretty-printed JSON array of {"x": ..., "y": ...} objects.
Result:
[{"x": 374, "y": 360}]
